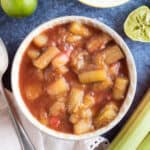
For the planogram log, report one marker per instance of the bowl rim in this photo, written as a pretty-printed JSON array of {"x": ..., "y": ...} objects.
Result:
[{"x": 16, "y": 67}]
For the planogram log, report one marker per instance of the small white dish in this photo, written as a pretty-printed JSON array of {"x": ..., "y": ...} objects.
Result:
[
  {"x": 103, "y": 3},
  {"x": 50, "y": 24}
]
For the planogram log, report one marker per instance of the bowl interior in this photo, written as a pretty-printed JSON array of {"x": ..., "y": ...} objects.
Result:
[{"x": 15, "y": 77}]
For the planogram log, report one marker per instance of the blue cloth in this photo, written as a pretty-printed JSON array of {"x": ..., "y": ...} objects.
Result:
[{"x": 13, "y": 31}]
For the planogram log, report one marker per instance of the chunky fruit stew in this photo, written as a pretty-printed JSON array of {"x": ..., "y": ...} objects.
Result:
[{"x": 74, "y": 78}]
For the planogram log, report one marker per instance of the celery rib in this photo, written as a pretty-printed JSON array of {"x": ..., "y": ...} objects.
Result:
[{"x": 135, "y": 129}]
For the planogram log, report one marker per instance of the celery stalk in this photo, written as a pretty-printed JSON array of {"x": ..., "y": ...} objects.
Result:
[
  {"x": 136, "y": 128},
  {"x": 92, "y": 76},
  {"x": 145, "y": 145}
]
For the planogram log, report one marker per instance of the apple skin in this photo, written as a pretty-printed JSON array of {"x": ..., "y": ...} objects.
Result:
[{"x": 19, "y": 8}]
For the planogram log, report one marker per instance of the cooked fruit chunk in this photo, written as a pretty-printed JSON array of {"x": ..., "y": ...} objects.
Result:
[
  {"x": 113, "y": 54},
  {"x": 33, "y": 91},
  {"x": 75, "y": 99},
  {"x": 92, "y": 76},
  {"x": 114, "y": 69},
  {"x": 104, "y": 85},
  {"x": 58, "y": 87},
  {"x": 74, "y": 118},
  {"x": 99, "y": 59},
  {"x": 98, "y": 42},
  {"x": 120, "y": 87},
  {"x": 62, "y": 70},
  {"x": 40, "y": 40},
  {"x": 57, "y": 108},
  {"x": 73, "y": 38},
  {"x": 79, "y": 29},
  {"x": 89, "y": 100},
  {"x": 44, "y": 59},
  {"x": 86, "y": 113},
  {"x": 83, "y": 126},
  {"x": 33, "y": 53},
  {"x": 60, "y": 60},
  {"x": 79, "y": 59},
  {"x": 107, "y": 114}
]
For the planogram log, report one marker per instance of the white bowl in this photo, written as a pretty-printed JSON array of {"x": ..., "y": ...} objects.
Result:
[
  {"x": 16, "y": 67},
  {"x": 103, "y": 3}
]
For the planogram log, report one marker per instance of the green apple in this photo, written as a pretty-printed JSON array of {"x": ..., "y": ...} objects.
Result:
[{"x": 19, "y": 8}]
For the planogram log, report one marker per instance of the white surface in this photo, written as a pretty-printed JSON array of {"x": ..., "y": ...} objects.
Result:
[
  {"x": 9, "y": 141},
  {"x": 50, "y": 24},
  {"x": 8, "y": 138}
]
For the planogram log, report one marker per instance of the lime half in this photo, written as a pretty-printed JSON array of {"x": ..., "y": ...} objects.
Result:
[{"x": 137, "y": 24}]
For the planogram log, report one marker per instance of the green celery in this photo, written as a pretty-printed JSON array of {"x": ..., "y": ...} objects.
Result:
[
  {"x": 136, "y": 128},
  {"x": 145, "y": 145}
]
